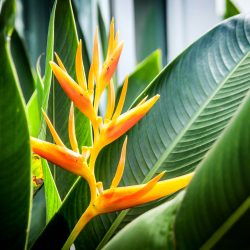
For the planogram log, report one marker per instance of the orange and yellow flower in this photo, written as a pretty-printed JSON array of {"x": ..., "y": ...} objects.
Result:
[{"x": 86, "y": 97}]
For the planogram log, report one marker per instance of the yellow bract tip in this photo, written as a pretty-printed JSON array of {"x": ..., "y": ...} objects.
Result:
[
  {"x": 53, "y": 132},
  {"x": 121, "y": 100},
  {"x": 121, "y": 165},
  {"x": 80, "y": 73},
  {"x": 60, "y": 62},
  {"x": 96, "y": 56},
  {"x": 71, "y": 129},
  {"x": 111, "y": 101}
]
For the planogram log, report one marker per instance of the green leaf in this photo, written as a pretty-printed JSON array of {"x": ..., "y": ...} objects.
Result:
[
  {"x": 15, "y": 170},
  {"x": 65, "y": 45},
  {"x": 215, "y": 201},
  {"x": 141, "y": 77},
  {"x": 7, "y": 17},
  {"x": 33, "y": 115},
  {"x": 53, "y": 201},
  {"x": 38, "y": 218},
  {"x": 200, "y": 91},
  {"x": 231, "y": 9},
  {"x": 220, "y": 191},
  {"x": 22, "y": 66}
]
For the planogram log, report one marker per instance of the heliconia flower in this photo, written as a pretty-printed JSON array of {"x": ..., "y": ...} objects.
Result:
[
  {"x": 61, "y": 156},
  {"x": 79, "y": 96},
  {"x": 85, "y": 95},
  {"x": 115, "y": 199}
]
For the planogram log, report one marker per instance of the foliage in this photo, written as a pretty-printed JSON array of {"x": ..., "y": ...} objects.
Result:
[{"x": 199, "y": 123}]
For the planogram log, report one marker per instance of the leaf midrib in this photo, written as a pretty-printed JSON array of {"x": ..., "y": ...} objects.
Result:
[
  {"x": 167, "y": 152},
  {"x": 189, "y": 125}
]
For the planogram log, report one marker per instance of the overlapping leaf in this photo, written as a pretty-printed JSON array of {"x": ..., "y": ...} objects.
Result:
[{"x": 15, "y": 170}]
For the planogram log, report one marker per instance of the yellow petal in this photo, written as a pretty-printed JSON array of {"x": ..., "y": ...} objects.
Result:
[
  {"x": 80, "y": 97},
  {"x": 113, "y": 130},
  {"x": 111, "y": 37},
  {"x": 60, "y": 62},
  {"x": 53, "y": 132},
  {"x": 91, "y": 79},
  {"x": 116, "y": 39},
  {"x": 71, "y": 129},
  {"x": 121, "y": 100},
  {"x": 96, "y": 55},
  {"x": 148, "y": 186},
  {"x": 61, "y": 156},
  {"x": 80, "y": 73},
  {"x": 111, "y": 101},
  {"x": 123, "y": 197},
  {"x": 142, "y": 101},
  {"x": 121, "y": 165}
]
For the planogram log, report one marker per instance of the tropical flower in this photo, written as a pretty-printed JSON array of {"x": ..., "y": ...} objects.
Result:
[{"x": 85, "y": 95}]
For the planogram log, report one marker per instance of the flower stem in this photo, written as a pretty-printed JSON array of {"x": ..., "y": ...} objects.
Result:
[{"x": 82, "y": 222}]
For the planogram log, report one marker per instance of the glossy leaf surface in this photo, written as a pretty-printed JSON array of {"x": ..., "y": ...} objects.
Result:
[
  {"x": 217, "y": 199},
  {"x": 15, "y": 170}
]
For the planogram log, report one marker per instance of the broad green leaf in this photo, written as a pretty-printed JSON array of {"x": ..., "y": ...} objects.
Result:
[
  {"x": 231, "y": 9},
  {"x": 141, "y": 77},
  {"x": 22, "y": 66},
  {"x": 200, "y": 91},
  {"x": 15, "y": 170},
  {"x": 65, "y": 45},
  {"x": 219, "y": 194},
  {"x": 215, "y": 201}
]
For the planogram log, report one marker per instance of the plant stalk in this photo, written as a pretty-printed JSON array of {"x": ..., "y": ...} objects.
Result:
[{"x": 82, "y": 222}]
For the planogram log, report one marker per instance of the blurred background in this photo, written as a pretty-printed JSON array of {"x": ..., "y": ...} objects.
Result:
[{"x": 145, "y": 25}]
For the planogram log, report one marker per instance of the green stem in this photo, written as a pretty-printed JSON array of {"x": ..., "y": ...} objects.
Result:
[{"x": 82, "y": 222}]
